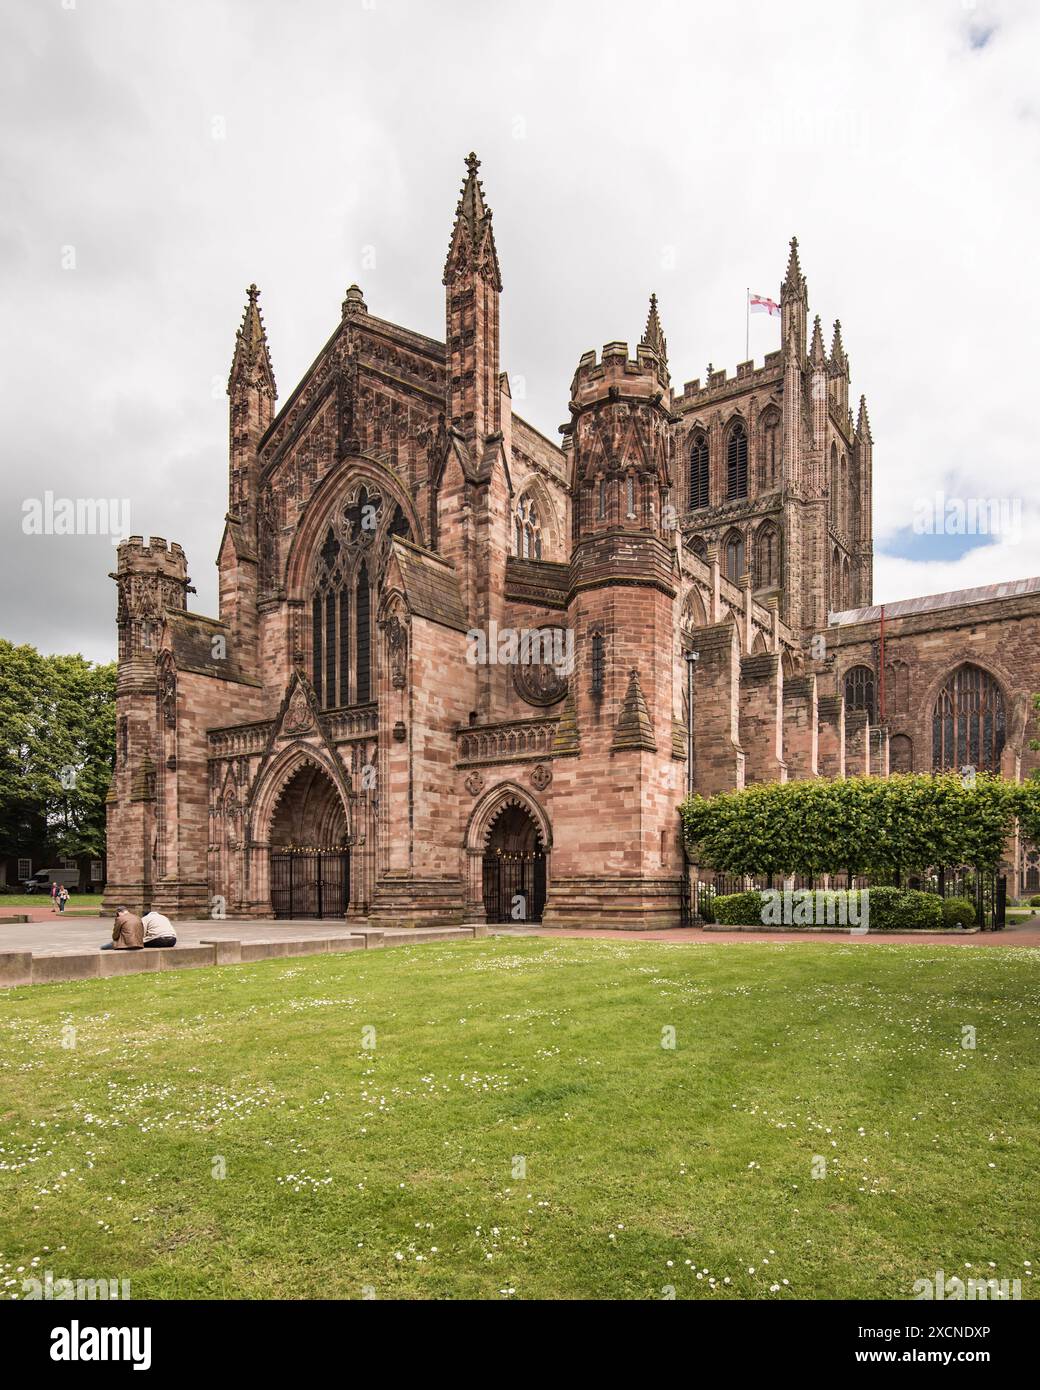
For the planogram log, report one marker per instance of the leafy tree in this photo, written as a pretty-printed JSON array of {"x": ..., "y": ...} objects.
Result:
[{"x": 57, "y": 742}]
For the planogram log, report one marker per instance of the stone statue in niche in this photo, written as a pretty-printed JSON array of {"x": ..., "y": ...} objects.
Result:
[{"x": 397, "y": 649}]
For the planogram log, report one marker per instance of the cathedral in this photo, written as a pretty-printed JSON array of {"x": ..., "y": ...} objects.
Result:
[{"x": 464, "y": 673}]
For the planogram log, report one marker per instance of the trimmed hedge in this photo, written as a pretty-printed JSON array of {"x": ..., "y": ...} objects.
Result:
[
  {"x": 873, "y": 909},
  {"x": 738, "y": 909},
  {"x": 860, "y": 825},
  {"x": 1035, "y": 901},
  {"x": 958, "y": 912}
]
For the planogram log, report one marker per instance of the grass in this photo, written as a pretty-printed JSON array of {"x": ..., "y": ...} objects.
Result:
[
  {"x": 85, "y": 901},
  {"x": 394, "y": 1171}
]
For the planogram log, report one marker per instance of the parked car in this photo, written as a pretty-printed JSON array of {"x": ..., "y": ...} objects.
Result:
[{"x": 43, "y": 878}]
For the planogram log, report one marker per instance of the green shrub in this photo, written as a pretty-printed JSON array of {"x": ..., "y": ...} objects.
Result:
[
  {"x": 904, "y": 909},
  {"x": 958, "y": 912},
  {"x": 738, "y": 909},
  {"x": 1035, "y": 900}
]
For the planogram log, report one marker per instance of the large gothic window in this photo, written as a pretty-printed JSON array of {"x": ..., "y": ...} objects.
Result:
[
  {"x": 527, "y": 529},
  {"x": 699, "y": 471},
  {"x": 355, "y": 541},
  {"x": 859, "y": 690},
  {"x": 736, "y": 461},
  {"x": 969, "y": 723}
]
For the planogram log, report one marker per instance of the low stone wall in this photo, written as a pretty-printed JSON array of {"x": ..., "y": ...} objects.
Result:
[{"x": 29, "y": 968}]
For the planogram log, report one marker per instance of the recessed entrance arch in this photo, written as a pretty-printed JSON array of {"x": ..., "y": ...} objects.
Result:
[
  {"x": 514, "y": 867},
  {"x": 310, "y": 858}
]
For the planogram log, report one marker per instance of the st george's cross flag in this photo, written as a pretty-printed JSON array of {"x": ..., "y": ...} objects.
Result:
[{"x": 760, "y": 304}]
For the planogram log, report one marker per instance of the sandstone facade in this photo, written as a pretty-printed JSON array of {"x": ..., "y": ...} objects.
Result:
[{"x": 366, "y": 731}]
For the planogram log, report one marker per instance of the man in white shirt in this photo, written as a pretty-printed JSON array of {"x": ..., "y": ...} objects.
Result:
[{"x": 158, "y": 930}]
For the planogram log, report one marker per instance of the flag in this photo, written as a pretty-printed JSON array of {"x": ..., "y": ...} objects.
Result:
[{"x": 760, "y": 304}]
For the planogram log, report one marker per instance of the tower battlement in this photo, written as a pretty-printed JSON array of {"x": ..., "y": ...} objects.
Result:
[{"x": 615, "y": 373}]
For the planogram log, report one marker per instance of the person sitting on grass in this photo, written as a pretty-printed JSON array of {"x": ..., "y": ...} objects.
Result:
[
  {"x": 158, "y": 930},
  {"x": 128, "y": 932}
]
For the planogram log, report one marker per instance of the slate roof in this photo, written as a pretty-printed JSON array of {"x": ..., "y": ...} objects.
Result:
[
  {"x": 931, "y": 603},
  {"x": 431, "y": 586},
  {"x": 191, "y": 641}
]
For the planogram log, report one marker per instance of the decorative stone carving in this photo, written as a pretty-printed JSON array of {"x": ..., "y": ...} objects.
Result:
[
  {"x": 542, "y": 682},
  {"x": 474, "y": 784},
  {"x": 168, "y": 690},
  {"x": 541, "y": 777},
  {"x": 298, "y": 717}
]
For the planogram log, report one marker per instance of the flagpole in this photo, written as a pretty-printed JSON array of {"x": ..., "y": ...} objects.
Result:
[{"x": 747, "y": 322}]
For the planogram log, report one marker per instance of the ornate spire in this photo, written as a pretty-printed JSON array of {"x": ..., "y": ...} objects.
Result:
[
  {"x": 472, "y": 244},
  {"x": 817, "y": 352},
  {"x": 794, "y": 280},
  {"x": 838, "y": 358},
  {"x": 863, "y": 423},
  {"x": 251, "y": 363},
  {"x": 653, "y": 336},
  {"x": 634, "y": 729},
  {"x": 354, "y": 303}
]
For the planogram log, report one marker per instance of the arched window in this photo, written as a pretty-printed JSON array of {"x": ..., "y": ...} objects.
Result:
[
  {"x": 699, "y": 471},
  {"x": 597, "y": 664},
  {"x": 833, "y": 484},
  {"x": 527, "y": 525},
  {"x": 846, "y": 584},
  {"x": 969, "y": 723},
  {"x": 736, "y": 461},
  {"x": 735, "y": 553},
  {"x": 694, "y": 614},
  {"x": 630, "y": 498},
  {"x": 859, "y": 690},
  {"x": 767, "y": 557},
  {"x": 698, "y": 545},
  {"x": 836, "y": 581}
]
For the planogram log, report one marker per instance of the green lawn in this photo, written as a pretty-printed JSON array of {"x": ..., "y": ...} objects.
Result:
[
  {"x": 87, "y": 901},
  {"x": 394, "y": 1171}
]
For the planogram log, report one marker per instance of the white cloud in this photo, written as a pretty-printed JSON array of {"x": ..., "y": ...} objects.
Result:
[{"x": 676, "y": 151}]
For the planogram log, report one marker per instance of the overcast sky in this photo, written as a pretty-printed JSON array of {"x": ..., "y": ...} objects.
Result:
[{"x": 157, "y": 157}]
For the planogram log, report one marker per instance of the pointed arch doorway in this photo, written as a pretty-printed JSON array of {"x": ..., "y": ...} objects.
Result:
[
  {"x": 310, "y": 858},
  {"x": 514, "y": 868}
]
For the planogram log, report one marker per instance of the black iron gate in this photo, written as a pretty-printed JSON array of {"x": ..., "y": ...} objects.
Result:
[
  {"x": 514, "y": 887},
  {"x": 310, "y": 885}
]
